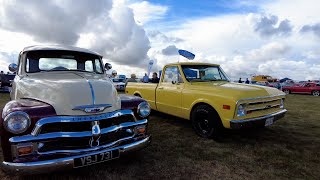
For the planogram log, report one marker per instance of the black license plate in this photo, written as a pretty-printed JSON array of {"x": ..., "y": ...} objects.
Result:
[{"x": 96, "y": 158}]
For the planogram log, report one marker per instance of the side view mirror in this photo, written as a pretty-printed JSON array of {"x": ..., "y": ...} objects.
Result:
[
  {"x": 108, "y": 66},
  {"x": 13, "y": 67}
]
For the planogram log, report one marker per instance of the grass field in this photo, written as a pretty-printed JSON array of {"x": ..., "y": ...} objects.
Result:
[{"x": 290, "y": 149}]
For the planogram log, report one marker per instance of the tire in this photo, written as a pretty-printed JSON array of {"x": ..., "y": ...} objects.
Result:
[
  {"x": 316, "y": 93},
  {"x": 206, "y": 122},
  {"x": 287, "y": 91},
  {"x": 138, "y": 95}
]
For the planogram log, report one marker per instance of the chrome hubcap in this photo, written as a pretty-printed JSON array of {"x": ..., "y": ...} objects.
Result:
[{"x": 316, "y": 93}]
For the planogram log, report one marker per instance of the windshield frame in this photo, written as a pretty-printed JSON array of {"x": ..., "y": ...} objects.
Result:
[
  {"x": 77, "y": 56},
  {"x": 220, "y": 71}
]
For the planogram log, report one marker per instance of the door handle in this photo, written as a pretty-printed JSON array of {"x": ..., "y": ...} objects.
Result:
[{"x": 160, "y": 87}]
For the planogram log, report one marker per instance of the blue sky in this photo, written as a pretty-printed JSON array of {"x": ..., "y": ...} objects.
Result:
[{"x": 179, "y": 9}]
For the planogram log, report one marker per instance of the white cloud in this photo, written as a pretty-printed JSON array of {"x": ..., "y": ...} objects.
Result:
[
  {"x": 269, "y": 25},
  {"x": 106, "y": 27},
  {"x": 145, "y": 11},
  {"x": 299, "y": 12},
  {"x": 234, "y": 42}
]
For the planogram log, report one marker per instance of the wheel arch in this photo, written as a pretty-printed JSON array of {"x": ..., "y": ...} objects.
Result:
[
  {"x": 137, "y": 94},
  {"x": 196, "y": 104}
]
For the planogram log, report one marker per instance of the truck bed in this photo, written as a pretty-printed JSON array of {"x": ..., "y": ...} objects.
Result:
[{"x": 145, "y": 90}]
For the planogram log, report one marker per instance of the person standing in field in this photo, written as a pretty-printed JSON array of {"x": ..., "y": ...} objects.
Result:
[
  {"x": 247, "y": 81},
  {"x": 145, "y": 78},
  {"x": 131, "y": 79}
]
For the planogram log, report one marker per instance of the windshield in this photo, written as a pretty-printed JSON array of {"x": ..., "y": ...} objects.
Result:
[
  {"x": 204, "y": 73},
  {"x": 117, "y": 80},
  {"x": 38, "y": 61}
]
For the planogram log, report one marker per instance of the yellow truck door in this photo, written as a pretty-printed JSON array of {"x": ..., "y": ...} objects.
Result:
[{"x": 169, "y": 92}]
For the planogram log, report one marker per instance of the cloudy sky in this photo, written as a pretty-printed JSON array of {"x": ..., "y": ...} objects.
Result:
[{"x": 273, "y": 37}]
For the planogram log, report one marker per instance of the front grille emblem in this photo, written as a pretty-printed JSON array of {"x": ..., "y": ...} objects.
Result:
[
  {"x": 93, "y": 108},
  {"x": 96, "y": 134}
]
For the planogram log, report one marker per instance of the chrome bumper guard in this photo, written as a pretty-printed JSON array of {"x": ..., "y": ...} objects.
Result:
[
  {"x": 68, "y": 162},
  {"x": 134, "y": 141},
  {"x": 256, "y": 122}
]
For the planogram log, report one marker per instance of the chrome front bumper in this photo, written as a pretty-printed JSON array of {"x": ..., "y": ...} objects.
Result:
[
  {"x": 67, "y": 162},
  {"x": 256, "y": 122}
]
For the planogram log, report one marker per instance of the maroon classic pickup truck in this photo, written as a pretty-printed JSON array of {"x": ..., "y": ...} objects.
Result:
[{"x": 306, "y": 88}]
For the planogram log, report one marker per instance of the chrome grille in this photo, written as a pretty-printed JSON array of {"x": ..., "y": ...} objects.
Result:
[
  {"x": 82, "y": 142},
  {"x": 83, "y": 126},
  {"x": 260, "y": 106},
  {"x": 80, "y": 123},
  {"x": 263, "y": 105}
]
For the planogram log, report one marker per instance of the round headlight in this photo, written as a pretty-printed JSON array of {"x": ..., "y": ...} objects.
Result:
[
  {"x": 17, "y": 122},
  {"x": 241, "y": 110},
  {"x": 144, "y": 109}
]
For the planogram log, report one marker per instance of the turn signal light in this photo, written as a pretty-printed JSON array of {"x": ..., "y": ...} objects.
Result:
[
  {"x": 140, "y": 129},
  {"x": 25, "y": 150},
  {"x": 226, "y": 107}
]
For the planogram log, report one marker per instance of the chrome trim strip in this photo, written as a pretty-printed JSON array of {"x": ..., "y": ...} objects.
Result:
[
  {"x": 87, "y": 150},
  {"x": 97, "y": 117},
  {"x": 92, "y": 92},
  {"x": 261, "y": 102},
  {"x": 47, "y": 136},
  {"x": 263, "y": 108},
  {"x": 260, "y": 97},
  {"x": 259, "y": 118},
  {"x": 68, "y": 162}
]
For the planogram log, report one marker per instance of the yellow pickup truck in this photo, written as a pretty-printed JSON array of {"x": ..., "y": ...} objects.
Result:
[{"x": 203, "y": 93}]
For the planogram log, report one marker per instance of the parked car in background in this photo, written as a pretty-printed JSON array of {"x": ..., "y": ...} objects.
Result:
[
  {"x": 288, "y": 84},
  {"x": 305, "y": 88},
  {"x": 203, "y": 93},
  {"x": 264, "y": 83},
  {"x": 65, "y": 113},
  {"x": 6, "y": 81},
  {"x": 121, "y": 76},
  {"x": 119, "y": 83},
  {"x": 261, "y": 78}
]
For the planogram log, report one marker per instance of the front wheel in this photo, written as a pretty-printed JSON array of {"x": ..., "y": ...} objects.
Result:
[
  {"x": 206, "y": 122},
  {"x": 287, "y": 91},
  {"x": 316, "y": 93}
]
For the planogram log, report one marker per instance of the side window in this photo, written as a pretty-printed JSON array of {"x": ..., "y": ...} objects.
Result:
[
  {"x": 172, "y": 74},
  {"x": 88, "y": 66},
  {"x": 98, "y": 66}
]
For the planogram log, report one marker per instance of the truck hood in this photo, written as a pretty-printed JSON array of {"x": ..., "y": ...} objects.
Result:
[
  {"x": 67, "y": 90},
  {"x": 237, "y": 90}
]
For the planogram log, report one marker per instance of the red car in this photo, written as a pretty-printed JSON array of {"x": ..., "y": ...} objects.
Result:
[{"x": 306, "y": 88}]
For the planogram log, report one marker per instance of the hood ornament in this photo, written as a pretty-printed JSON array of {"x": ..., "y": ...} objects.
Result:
[
  {"x": 96, "y": 134},
  {"x": 92, "y": 108}
]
